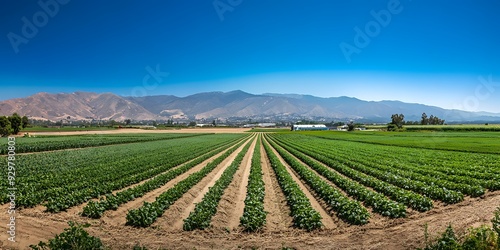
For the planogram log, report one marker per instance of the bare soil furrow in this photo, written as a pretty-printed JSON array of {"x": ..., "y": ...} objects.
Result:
[{"x": 232, "y": 203}]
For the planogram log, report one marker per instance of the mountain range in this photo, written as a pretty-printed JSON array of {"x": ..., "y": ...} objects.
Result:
[{"x": 222, "y": 105}]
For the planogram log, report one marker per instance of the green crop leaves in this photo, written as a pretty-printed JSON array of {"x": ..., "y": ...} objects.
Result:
[
  {"x": 147, "y": 214},
  {"x": 254, "y": 216},
  {"x": 304, "y": 216},
  {"x": 206, "y": 209},
  {"x": 349, "y": 210}
]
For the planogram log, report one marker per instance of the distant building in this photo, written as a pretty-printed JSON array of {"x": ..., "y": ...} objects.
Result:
[
  {"x": 204, "y": 125},
  {"x": 342, "y": 128},
  {"x": 266, "y": 125},
  {"x": 309, "y": 127}
]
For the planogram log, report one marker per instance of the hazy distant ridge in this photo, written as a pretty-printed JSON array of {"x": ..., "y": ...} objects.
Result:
[{"x": 84, "y": 105}]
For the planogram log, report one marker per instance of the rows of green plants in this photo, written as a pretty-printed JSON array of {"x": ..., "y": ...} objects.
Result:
[
  {"x": 304, "y": 215},
  {"x": 425, "y": 149},
  {"x": 127, "y": 176},
  {"x": 254, "y": 215},
  {"x": 349, "y": 210},
  {"x": 36, "y": 187},
  {"x": 411, "y": 172},
  {"x": 377, "y": 201},
  {"x": 474, "y": 142},
  {"x": 409, "y": 198},
  {"x": 95, "y": 209},
  {"x": 204, "y": 211},
  {"x": 66, "y": 178},
  {"x": 426, "y": 188},
  {"x": 464, "y": 184},
  {"x": 54, "y": 169},
  {"x": 150, "y": 211},
  {"x": 50, "y": 143},
  {"x": 454, "y": 169}
]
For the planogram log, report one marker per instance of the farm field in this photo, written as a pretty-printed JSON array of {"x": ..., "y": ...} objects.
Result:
[
  {"x": 478, "y": 142},
  {"x": 303, "y": 190}
]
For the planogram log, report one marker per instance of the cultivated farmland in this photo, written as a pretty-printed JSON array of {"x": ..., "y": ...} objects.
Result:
[{"x": 307, "y": 190}]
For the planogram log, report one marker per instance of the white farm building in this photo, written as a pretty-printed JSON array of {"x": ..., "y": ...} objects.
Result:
[{"x": 309, "y": 127}]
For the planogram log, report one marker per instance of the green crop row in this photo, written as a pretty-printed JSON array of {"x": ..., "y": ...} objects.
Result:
[
  {"x": 67, "y": 178},
  {"x": 50, "y": 143},
  {"x": 149, "y": 212},
  {"x": 108, "y": 183},
  {"x": 349, "y": 210},
  {"x": 414, "y": 173},
  {"x": 468, "y": 182},
  {"x": 254, "y": 215},
  {"x": 204, "y": 211},
  {"x": 409, "y": 198},
  {"x": 377, "y": 201},
  {"x": 95, "y": 209},
  {"x": 304, "y": 216},
  {"x": 426, "y": 188}
]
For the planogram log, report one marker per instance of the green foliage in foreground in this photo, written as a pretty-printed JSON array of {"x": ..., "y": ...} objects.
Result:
[
  {"x": 482, "y": 238},
  {"x": 204, "y": 211},
  {"x": 254, "y": 215},
  {"x": 304, "y": 215},
  {"x": 73, "y": 238},
  {"x": 149, "y": 212}
]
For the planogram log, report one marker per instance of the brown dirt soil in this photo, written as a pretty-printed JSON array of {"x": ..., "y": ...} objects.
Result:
[
  {"x": 34, "y": 225},
  {"x": 278, "y": 216},
  {"x": 118, "y": 218},
  {"x": 327, "y": 220},
  {"x": 172, "y": 219},
  {"x": 232, "y": 203},
  {"x": 404, "y": 233}
]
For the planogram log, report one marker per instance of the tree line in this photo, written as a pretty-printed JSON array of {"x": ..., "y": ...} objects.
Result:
[
  {"x": 12, "y": 124},
  {"x": 397, "y": 121}
]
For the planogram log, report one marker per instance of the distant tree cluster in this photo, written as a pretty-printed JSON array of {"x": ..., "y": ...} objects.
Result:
[
  {"x": 397, "y": 121},
  {"x": 432, "y": 120},
  {"x": 12, "y": 124}
]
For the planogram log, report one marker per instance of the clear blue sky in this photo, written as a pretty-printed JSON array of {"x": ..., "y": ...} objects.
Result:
[{"x": 422, "y": 51}]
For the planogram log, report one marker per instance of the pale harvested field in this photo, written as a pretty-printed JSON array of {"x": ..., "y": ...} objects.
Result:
[{"x": 148, "y": 131}]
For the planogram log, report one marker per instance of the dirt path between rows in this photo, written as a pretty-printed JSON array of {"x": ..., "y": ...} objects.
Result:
[
  {"x": 34, "y": 225},
  {"x": 327, "y": 220},
  {"x": 278, "y": 217},
  {"x": 118, "y": 217},
  {"x": 375, "y": 218},
  {"x": 172, "y": 219},
  {"x": 232, "y": 202}
]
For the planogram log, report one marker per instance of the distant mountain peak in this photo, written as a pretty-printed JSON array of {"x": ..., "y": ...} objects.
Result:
[{"x": 218, "y": 104}]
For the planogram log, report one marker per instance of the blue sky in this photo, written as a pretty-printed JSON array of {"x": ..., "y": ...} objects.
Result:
[{"x": 442, "y": 53}]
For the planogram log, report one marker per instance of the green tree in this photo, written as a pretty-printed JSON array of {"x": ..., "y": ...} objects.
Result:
[
  {"x": 398, "y": 120},
  {"x": 350, "y": 126},
  {"x": 192, "y": 124},
  {"x": 5, "y": 128},
  {"x": 16, "y": 123},
  {"x": 25, "y": 121},
  {"x": 127, "y": 122},
  {"x": 424, "y": 120}
]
